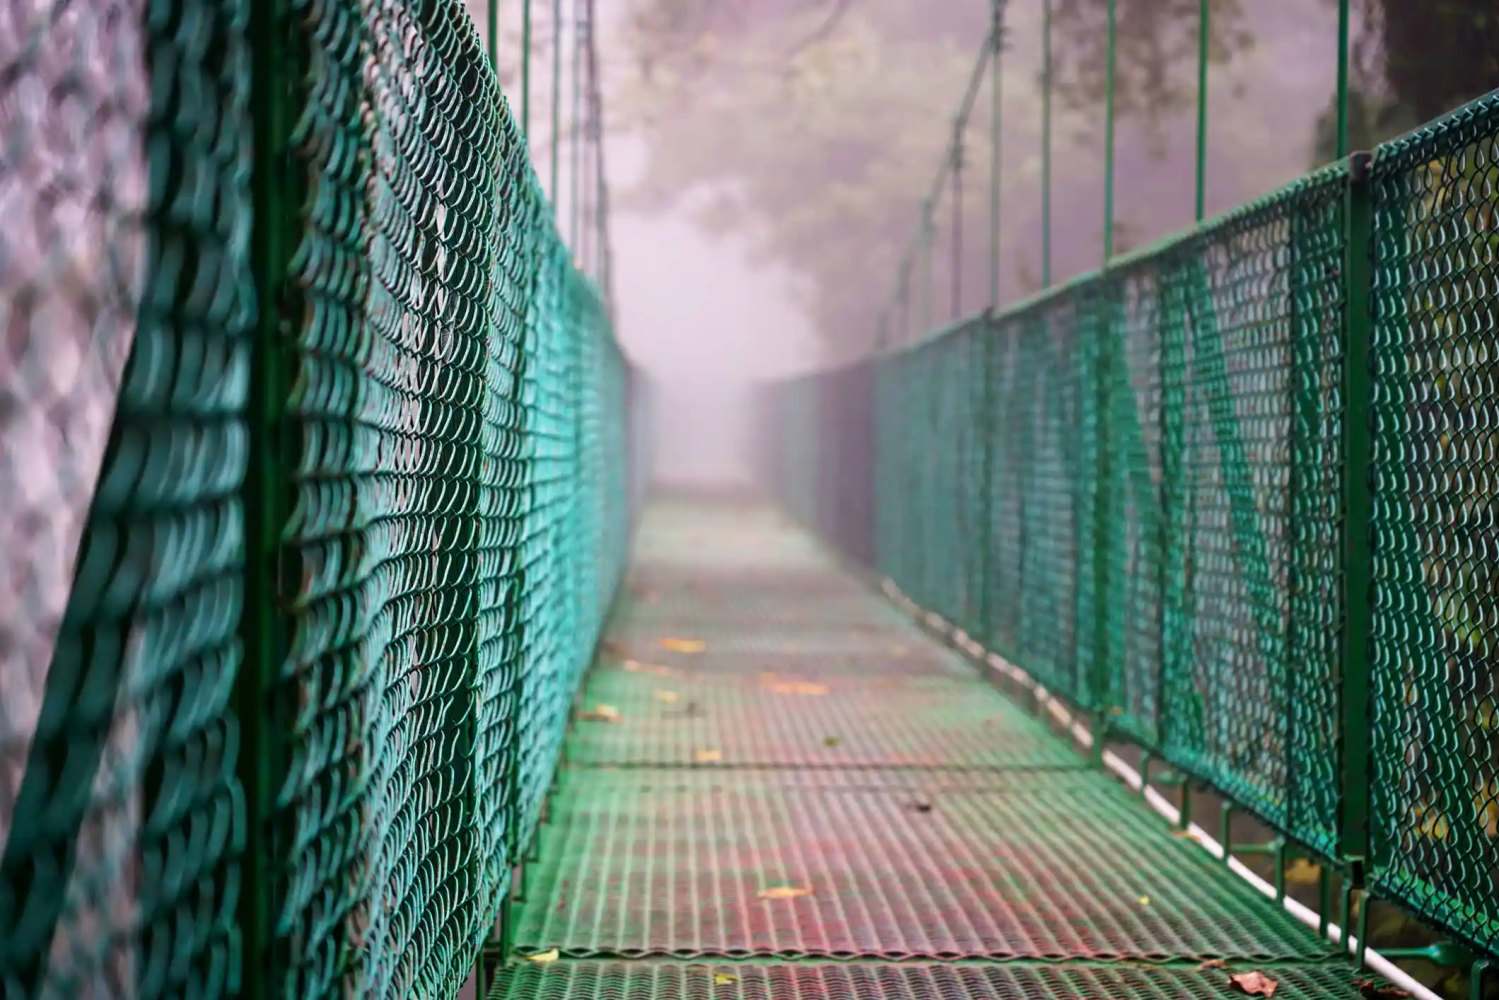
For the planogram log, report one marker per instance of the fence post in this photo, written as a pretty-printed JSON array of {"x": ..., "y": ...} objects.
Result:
[
  {"x": 1103, "y": 470},
  {"x": 262, "y": 626},
  {"x": 1354, "y": 674}
]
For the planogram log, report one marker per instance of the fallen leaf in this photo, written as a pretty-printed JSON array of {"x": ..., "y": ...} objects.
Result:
[
  {"x": 921, "y": 807},
  {"x": 798, "y": 687},
  {"x": 600, "y": 713},
  {"x": 830, "y": 741},
  {"x": 785, "y": 892},
  {"x": 1184, "y": 834},
  {"x": 1144, "y": 900},
  {"x": 670, "y": 697},
  {"x": 1115, "y": 710},
  {"x": 1486, "y": 804},
  {"x": 684, "y": 645},
  {"x": 1302, "y": 872},
  {"x": 636, "y": 667},
  {"x": 612, "y": 647},
  {"x": 708, "y": 756},
  {"x": 1430, "y": 823},
  {"x": 546, "y": 956},
  {"x": 1372, "y": 990},
  {"x": 723, "y": 979},
  {"x": 1254, "y": 983},
  {"x": 1213, "y": 963}
]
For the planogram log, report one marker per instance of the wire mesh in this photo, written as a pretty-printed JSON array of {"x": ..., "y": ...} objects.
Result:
[
  {"x": 1138, "y": 497},
  {"x": 405, "y": 495},
  {"x": 127, "y": 205},
  {"x": 1435, "y": 781}
]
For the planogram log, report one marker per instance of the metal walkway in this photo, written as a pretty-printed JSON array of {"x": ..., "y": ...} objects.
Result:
[{"x": 778, "y": 786}]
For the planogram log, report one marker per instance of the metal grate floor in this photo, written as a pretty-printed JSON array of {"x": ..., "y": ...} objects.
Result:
[
  {"x": 775, "y": 777},
  {"x": 819, "y": 981},
  {"x": 1040, "y": 866}
]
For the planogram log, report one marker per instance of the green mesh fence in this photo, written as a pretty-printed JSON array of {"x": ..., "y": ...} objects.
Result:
[
  {"x": 284, "y": 722},
  {"x": 125, "y": 313},
  {"x": 1435, "y": 589},
  {"x": 1135, "y": 488}
]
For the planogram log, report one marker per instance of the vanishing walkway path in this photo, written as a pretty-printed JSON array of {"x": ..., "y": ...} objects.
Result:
[{"x": 780, "y": 787}]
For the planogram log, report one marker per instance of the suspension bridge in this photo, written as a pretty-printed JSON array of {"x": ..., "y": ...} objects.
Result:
[{"x": 1131, "y": 640}]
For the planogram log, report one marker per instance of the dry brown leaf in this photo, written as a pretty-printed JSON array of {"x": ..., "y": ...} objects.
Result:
[
  {"x": 1302, "y": 872},
  {"x": 669, "y": 697},
  {"x": 1213, "y": 963},
  {"x": 798, "y": 687},
  {"x": 683, "y": 645},
  {"x": 1256, "y": 984},
  {"x": 600, "y": 713},
  {"x": 1115, "y": 710},
  {"x": 1371, "y": 990},
  {"x": 546, "y": 956},
  {"x": 1184, "y": 834},
  {"x": 708, "y": 756},
  {"x": 785, "y": 892}
]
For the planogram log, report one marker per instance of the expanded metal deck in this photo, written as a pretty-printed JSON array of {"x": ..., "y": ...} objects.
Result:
[{"x": 794, "y": 792}]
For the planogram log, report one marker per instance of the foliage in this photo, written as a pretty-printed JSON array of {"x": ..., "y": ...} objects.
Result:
[{"x": 822, "y": 151}]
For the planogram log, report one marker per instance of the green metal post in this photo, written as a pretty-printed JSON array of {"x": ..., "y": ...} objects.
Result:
[
  {"x": 556, "y": 191},
  {"x": 957, "y": 222},
  {"x": 273, "y": 241},
  {"x": 1046, "y": 144},
  {"x": 1099, "y": 682},
  {"x": 492, "y": 34},
  {"x": 574, "y": 149},
  {"x": 1204, "y": 28},
  {"x": 929, "y": 267},
  {"x": 1353, "y": 833},
  {"x": 1108, "y": 132},
  {"x": 996, "y": 120},
  {"x": 1343, "y": 20},
  {"x": 525, "y": 69}
]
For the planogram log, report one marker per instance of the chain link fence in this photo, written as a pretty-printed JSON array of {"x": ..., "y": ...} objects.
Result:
[
  {"x": 1137, "y": 487},
  {"x": 318, "y": 464}
]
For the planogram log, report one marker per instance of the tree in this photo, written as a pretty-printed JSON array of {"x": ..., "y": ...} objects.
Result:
[{"x": 817, "y": 128}]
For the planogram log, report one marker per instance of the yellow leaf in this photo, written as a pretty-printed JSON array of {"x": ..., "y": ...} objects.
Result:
[
  {"x": 1430, "y": 823},
  {"x": 1303, "y": 872},
  {"x": 1144, "y": 900},
  {"x": 600, "y": 713},
  {"x": 830, "y": 741},
  {"x": 785, "y": 892},
  {"x": 546, "y": 956},
  {"x": 723, "y": 979},
  {"x": 797, "y": 687},
  {"x": 636, "y": 667},
  {"x": 708, "y": 756},
  {"x": 684, "y": 645},
  {"x": 1486, "y": 804},
  {"x": 670, "y": 697}
]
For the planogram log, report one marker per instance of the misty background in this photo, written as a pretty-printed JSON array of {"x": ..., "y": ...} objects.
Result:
[{"x": 767, "y": 161}]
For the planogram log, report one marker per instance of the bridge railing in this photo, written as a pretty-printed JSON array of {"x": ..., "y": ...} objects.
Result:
[
  {"x": 1235, "y": 498},
  {"x": 318, "y": 461}
]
